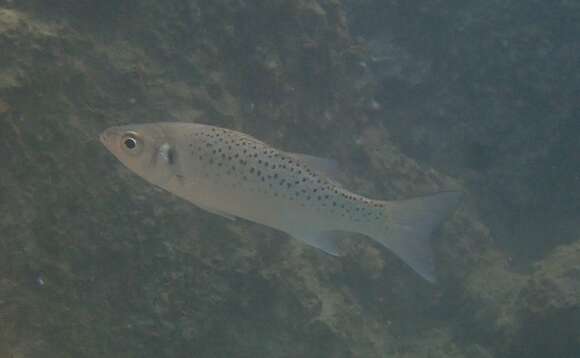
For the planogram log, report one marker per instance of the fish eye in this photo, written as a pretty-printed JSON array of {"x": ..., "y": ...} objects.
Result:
[{"x": 132, "y": 143}]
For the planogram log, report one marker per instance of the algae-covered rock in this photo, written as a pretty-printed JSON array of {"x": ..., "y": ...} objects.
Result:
[
  {"x": 96, "y": 263},
  {"x": 485, "y": 93},
  {"x": 549, "y": 307}
]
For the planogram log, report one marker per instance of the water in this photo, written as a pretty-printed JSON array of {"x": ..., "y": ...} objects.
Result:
[{"x": 410, "y": 97}]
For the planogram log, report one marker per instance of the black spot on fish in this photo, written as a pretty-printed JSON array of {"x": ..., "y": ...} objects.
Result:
[{"x": 171, "y": 156}]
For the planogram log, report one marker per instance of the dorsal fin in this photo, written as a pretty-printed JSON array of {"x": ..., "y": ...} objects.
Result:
[{"x": 328, "y": 167}]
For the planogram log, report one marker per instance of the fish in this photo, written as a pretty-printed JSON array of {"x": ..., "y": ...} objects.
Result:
[{"x": 235, "y": 175}]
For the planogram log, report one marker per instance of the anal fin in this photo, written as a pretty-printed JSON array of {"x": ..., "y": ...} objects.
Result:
[
  {"x": 217, "y": 212},
  {"x": 324, "y": 240}
]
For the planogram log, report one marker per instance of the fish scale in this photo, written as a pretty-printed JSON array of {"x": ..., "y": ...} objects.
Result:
[
  {"x": 233, "y": 159},
  {"x": 237, "y": 176}
]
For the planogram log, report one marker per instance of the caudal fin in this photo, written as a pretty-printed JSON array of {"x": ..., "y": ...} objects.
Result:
[{"x": 409, "y": 225}]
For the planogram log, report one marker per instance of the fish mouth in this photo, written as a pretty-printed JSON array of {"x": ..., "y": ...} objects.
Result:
[
  {"x": 109, "y": 136},
  {"x": 102, "y": 138}
]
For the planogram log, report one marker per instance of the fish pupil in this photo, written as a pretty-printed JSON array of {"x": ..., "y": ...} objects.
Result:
[{"x": 130, "y": 143}]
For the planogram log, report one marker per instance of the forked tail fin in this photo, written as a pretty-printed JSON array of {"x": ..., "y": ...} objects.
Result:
[{"x": 409, "y": 225}]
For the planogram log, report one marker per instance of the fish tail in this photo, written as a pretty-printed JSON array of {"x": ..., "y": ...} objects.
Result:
[{"x": 409, "y": 225}]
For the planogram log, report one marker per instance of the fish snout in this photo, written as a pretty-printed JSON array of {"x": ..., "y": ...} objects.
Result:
[
  {"x": 108, "y": 137},
  {"x": 103, "y": 138}
]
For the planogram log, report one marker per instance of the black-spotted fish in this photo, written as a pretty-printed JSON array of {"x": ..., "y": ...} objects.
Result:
[{"x": 235, "y": 175}]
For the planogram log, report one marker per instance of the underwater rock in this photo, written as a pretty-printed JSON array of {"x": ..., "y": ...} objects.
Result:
[
  {"x": 130, "y": 269},
  {"x": 5, "y": 107},
  {"x": 549, "y": 307},
  {"x": 134, "y": 270}
]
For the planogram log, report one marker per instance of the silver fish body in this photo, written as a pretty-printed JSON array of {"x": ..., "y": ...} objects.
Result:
[{"x": 235, "y": 175}]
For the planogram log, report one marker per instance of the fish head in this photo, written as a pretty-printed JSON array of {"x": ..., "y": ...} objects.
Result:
[{"x": 145, "y": 149}]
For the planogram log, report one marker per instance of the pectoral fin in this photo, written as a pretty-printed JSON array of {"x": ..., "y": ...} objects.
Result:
[{"x": 167, "y": 159}]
